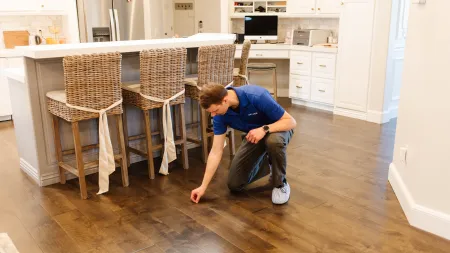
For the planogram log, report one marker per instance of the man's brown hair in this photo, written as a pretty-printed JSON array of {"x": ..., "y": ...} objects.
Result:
[{"x": 212, "y": 93}]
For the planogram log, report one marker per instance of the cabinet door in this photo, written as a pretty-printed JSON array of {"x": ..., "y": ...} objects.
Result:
[
  {"x": 299, "y": 86},
  {"x": 355, "y": 42},
  {"x": 53, "y": 5},
  {"x": 329, "y": 6},
  {"x": 301, "y": 6},
  {"x": 18, "y": 5},
  {"x": 5, "y": 102},
  {"x": 322, "y": 90}
]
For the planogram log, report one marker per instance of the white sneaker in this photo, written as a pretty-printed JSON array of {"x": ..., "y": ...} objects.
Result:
[{"x": 281, "y": 195}]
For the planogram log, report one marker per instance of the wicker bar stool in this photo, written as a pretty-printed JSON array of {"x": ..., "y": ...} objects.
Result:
[
  {"x": 264, "y": 67},
  {"x": 92, "y": 90},
  {"x": 240, "y": 74},
  {"x": 162, "y": 73},
  {"x": 215, "y": 64}
]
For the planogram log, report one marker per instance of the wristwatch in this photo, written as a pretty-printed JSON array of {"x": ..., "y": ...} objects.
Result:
[{"x": 266, "y": 129}]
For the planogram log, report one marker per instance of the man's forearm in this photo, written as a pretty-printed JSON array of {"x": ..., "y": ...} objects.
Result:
[
  {"x": 211, "y": 167},
  {"x": 282, "y": 125}
]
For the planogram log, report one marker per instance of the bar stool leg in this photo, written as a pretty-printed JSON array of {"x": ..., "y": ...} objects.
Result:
[
  {"x": 275, "y": 85},
  {"x": 59, "y": 156},
  {"x": 231, "y": 142},
  {"x": 125, "y": 134},
  {"x": 184, "y": 153},
  {"x": 79, "y": 158},
  {"x": 123, "y": 151},
  {"x": 204, "y": 134},
  {"x": 148, "y": 133}
]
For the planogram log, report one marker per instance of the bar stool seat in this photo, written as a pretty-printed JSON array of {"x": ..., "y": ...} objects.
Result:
[{"x": 261, "y": 65}]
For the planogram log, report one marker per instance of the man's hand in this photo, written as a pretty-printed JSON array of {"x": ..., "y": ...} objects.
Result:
[
  {"x": 196, "y": 194},
  {"x": 255, "y": 135}
]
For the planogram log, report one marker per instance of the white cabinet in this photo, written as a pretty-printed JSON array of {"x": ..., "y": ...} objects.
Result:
[
  {"x": 301, "y": 6},
  {"x": 5, "y": 100},
  {"x": 53, "y": 5},
  {"x": 17, "y": 5},
  {"x": 322, "y": 90},
  {"x": 299, "y": 87},
  {"x": 355, "y": 42},
  {"x": 328, "y": 6},
  {"x": 300, "y": 63}
]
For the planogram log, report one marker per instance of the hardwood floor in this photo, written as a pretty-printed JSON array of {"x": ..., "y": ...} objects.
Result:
[{"x": 340, "y": 201}]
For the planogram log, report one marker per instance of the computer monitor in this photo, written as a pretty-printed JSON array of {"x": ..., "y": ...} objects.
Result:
[{"x": 261, "y": 27}]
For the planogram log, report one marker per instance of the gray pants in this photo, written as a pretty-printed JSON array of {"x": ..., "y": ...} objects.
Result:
[{"x": 253, "y": 161}]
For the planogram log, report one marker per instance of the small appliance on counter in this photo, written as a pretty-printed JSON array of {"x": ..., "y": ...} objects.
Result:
[{"x": 309, "y": 37}]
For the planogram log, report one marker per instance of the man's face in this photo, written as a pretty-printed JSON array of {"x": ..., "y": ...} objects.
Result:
[{"x": 218, "y": 109}]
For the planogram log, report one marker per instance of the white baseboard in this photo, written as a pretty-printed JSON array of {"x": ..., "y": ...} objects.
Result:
[
  {"x": 312, "y": 104},
  {"x": 350, "y": 113},
  {"x": 382, "y": 117},
  {"x": 30, "y": 170},
  {"x": 5, "y": 118},
  {"x": 419, "y": 216}
]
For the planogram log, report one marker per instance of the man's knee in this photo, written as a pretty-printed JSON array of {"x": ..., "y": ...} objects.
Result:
[
  {"x": 234, "y": 184},
  {"x": 275, "y": 143}
]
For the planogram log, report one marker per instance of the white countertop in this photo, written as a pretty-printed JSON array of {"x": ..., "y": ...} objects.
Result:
[
  {"x": 61, "y": 50},
  {"x": 17, "y": 74},
  {"x": 9, "y": 53},
  {"x": 290, "y": 47}
]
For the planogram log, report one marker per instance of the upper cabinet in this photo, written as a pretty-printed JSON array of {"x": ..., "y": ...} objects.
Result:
[
  {"x": 329, "y": 6},
  {"x": 18, "y": 5},
  {"x": 35, "y": 6},
  {"x": 53, "y": 5},
  {"x": 301, "y": 6}
]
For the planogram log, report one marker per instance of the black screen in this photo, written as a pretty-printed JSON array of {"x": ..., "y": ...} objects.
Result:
[{"x": 261, "y": 25}]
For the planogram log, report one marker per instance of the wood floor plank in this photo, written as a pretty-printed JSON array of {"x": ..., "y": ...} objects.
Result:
[{"x": 51, "y": 238}]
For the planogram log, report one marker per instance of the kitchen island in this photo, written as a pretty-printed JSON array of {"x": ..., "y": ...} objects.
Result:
[{"x": 43, "y": 72}]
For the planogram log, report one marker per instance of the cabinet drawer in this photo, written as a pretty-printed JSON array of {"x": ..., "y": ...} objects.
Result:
[
  {"x": 322, "y": 90},
  {"x": 300, "y": 63},
  {"x": 15, "y": 62},
  {"x": 324, "y": 65},
  {"x": 269, "y": 54},
  {"x": 299, "y": 86}
]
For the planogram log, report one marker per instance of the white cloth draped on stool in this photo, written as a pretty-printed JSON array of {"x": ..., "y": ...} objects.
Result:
[
  {"x": 169, "y": 153},
  {"x": 106, "y": 164}
]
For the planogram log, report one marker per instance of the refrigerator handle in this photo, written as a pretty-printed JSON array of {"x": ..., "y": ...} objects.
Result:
[
  {"x": 117, "y": 24},
  {"x": 113, "y": 25}
]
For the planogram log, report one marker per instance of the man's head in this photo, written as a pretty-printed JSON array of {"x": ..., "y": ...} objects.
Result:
[{"x": 214, "y": 99}]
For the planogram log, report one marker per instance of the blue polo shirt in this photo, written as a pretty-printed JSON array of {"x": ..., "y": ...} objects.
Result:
[{"x": 256, "y": 109}]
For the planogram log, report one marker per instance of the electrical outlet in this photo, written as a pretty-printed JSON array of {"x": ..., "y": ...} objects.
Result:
[
  {"x": 183, "y": 6},
  {"x": 404, "y": 154},
  {"x": 418, "y": 1}
]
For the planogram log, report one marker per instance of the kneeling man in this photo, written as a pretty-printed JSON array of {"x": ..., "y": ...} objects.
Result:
[{"x": 250, "y": 109}]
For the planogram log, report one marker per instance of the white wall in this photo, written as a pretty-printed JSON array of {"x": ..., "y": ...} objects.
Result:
[
  {"x": 209, "y": 12},
  {"x": 422, "y": 183}
]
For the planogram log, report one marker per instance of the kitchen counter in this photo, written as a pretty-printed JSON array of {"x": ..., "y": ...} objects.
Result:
[
  {"x": 43, "y": 72},
  {"x": 8, "y": 53},
  {"x": 290, "y": 47},
  {"x": 61, "y": 50}
]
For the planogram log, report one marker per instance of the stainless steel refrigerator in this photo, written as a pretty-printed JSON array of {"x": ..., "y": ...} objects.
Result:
[{"x": 111, "y": 20}]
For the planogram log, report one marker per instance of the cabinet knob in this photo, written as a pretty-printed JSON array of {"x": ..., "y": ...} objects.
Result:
[
  {"x": 259, "y": 55},
  {"x": 323, "y": 66},
  {"x": 318, "y": 9},
  {"x": 322, "y": 90},
  {"x": 342, "y": 3},
  {"x": 42, "y": 6},
  {"x": 312, "y": 8},
  {"x": 299, "y": 86},
  {"x": 299, "y": 63}
]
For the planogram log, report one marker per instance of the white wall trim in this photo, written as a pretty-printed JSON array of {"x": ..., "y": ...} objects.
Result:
[
  {"x": 312, "y": 104},
  {"x": 419, "y": 216},
  {"x": 30, "y": 170},
  {"x": 350, "y": 113},
  {"x": 382, "y": 117},
  {"x": 5, "y": 118}
]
